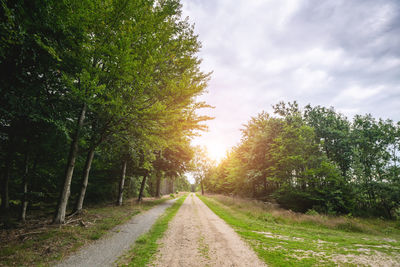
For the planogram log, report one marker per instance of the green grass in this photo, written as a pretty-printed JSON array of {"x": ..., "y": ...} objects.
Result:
[
  {"x": 203, "y": 248},
  {"x": 146, "y": 245},
  {"x": 284, "y": 238},
  {"x": 51, "y": 243}
]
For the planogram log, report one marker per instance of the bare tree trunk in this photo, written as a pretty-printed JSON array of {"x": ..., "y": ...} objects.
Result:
[
  {"x": 27, "y": 184},
  {"x": 142, "y": 188},
  {"x": 25, "y": 187},
  {"x": 202, "y": 186},
  {"x": 121, "y": 183},
  {"x": 172, "y": 186},
  {"x": 85, "y": 179},
  {"x": 265, "y": 186},
  {"x": 59, "y": 216},
  {"x": 5, "y": 200},
  {"x": 158, "y": 184}
]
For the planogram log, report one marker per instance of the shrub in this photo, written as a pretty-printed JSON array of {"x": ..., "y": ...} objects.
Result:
[{"x": 396, "y": 214}]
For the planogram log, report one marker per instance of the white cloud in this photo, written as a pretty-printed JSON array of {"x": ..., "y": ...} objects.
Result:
[
  {"x": 308, "y": 80},
  {"x": 356, "y": 93},
  {"x": 335, "y": 52}
]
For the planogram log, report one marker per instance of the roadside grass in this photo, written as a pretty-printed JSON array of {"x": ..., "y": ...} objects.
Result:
[
  {"x": 41, "y": 244},
  {"x": 146, "y": 245},
  {"x": 285, "y": 238}
]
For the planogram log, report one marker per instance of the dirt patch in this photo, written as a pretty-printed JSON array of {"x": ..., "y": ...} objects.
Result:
[
  {"x": 372, "y": 259},
  {"x": 198, "y": 237},
  {"x": 281, "y": 237}
]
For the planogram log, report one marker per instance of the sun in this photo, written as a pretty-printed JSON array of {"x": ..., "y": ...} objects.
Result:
[
  {"x": 215, "y": 148},
  {"x": 216, "y": 151}
]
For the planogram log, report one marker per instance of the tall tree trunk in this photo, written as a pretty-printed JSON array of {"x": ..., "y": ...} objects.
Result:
[
  {"x": 28, "y": 183},
  {"x": 158, "y": 184},
  {"x": 172, "y": 189},
  {"x": 202, "y": 186},
  {"x": 142, "y": 188},
  {"x": 59, "y": 216},
  {"x": 5, "y": 200},
  {"x": 85, "y": 179},
  {"x": 121, "y": 183},
  {"x": 265, "y": 186},
  {"x": 24, "y": 200}
]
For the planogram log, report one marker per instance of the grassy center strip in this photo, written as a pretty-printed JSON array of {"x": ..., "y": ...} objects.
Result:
[{"x": 146, "y": 245}]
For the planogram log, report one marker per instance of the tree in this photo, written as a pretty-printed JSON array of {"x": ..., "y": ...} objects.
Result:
[
  {"x": 32, "y": 92},
  {"x": 333, "y": 130},
  {"x": 202, "y": 166},
  {"x": 374, "y": 164},
  {"x": 91, "y": 75},
  {"x": 285, "y": 158}
]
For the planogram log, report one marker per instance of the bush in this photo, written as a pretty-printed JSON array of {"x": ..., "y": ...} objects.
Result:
[
  {"x": 396, "y": 214},
  {"x": 295, "y": 200}
]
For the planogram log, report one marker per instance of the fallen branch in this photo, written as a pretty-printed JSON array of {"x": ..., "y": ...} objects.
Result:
[
  {"x": 71, "y": 221},
  {"x": 77, "y": 212}
]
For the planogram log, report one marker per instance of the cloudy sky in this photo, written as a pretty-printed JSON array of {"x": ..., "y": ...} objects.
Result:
[{"x": 340, "y": 53}]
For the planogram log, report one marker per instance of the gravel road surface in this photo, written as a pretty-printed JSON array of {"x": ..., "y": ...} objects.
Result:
[
  {"x": 198, "y": 237},
  {"x": 105, "y": 251}
]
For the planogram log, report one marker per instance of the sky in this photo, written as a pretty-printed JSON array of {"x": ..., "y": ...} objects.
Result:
[{"x": 340, "y": 53}]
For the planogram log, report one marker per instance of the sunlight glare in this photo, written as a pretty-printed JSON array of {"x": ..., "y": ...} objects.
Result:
[{"x": 216, "y": 151}]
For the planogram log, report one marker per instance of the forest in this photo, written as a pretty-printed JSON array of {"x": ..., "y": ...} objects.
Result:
[
  {"x": 98, "y": 102},
  {"x": 103, "y": 156},
  {"x": 314, "y": 160}
]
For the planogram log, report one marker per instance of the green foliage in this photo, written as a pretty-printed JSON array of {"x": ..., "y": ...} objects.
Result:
[
  {"x": 314, "y": 159},
  {"x": 132, "y": 64}
]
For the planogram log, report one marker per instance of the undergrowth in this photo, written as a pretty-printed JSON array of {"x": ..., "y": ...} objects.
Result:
[{"x": 44, "y": 244}]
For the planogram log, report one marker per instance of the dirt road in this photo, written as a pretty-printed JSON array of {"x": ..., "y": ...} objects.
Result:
[
  {"x": 105, "y": 251},
  {"x": 198, "y": 237}
]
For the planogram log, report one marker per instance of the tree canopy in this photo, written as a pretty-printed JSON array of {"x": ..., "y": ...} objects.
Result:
[
  {"x": 315, "y": 158},
  {"x": 92, "y": 86}
]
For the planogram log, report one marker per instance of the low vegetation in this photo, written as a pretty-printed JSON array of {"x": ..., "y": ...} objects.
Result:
[
  {"x": 146, "y": 245},
  {"x": 40, "y": 243},
  {"x": 286, "y": 238}
]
